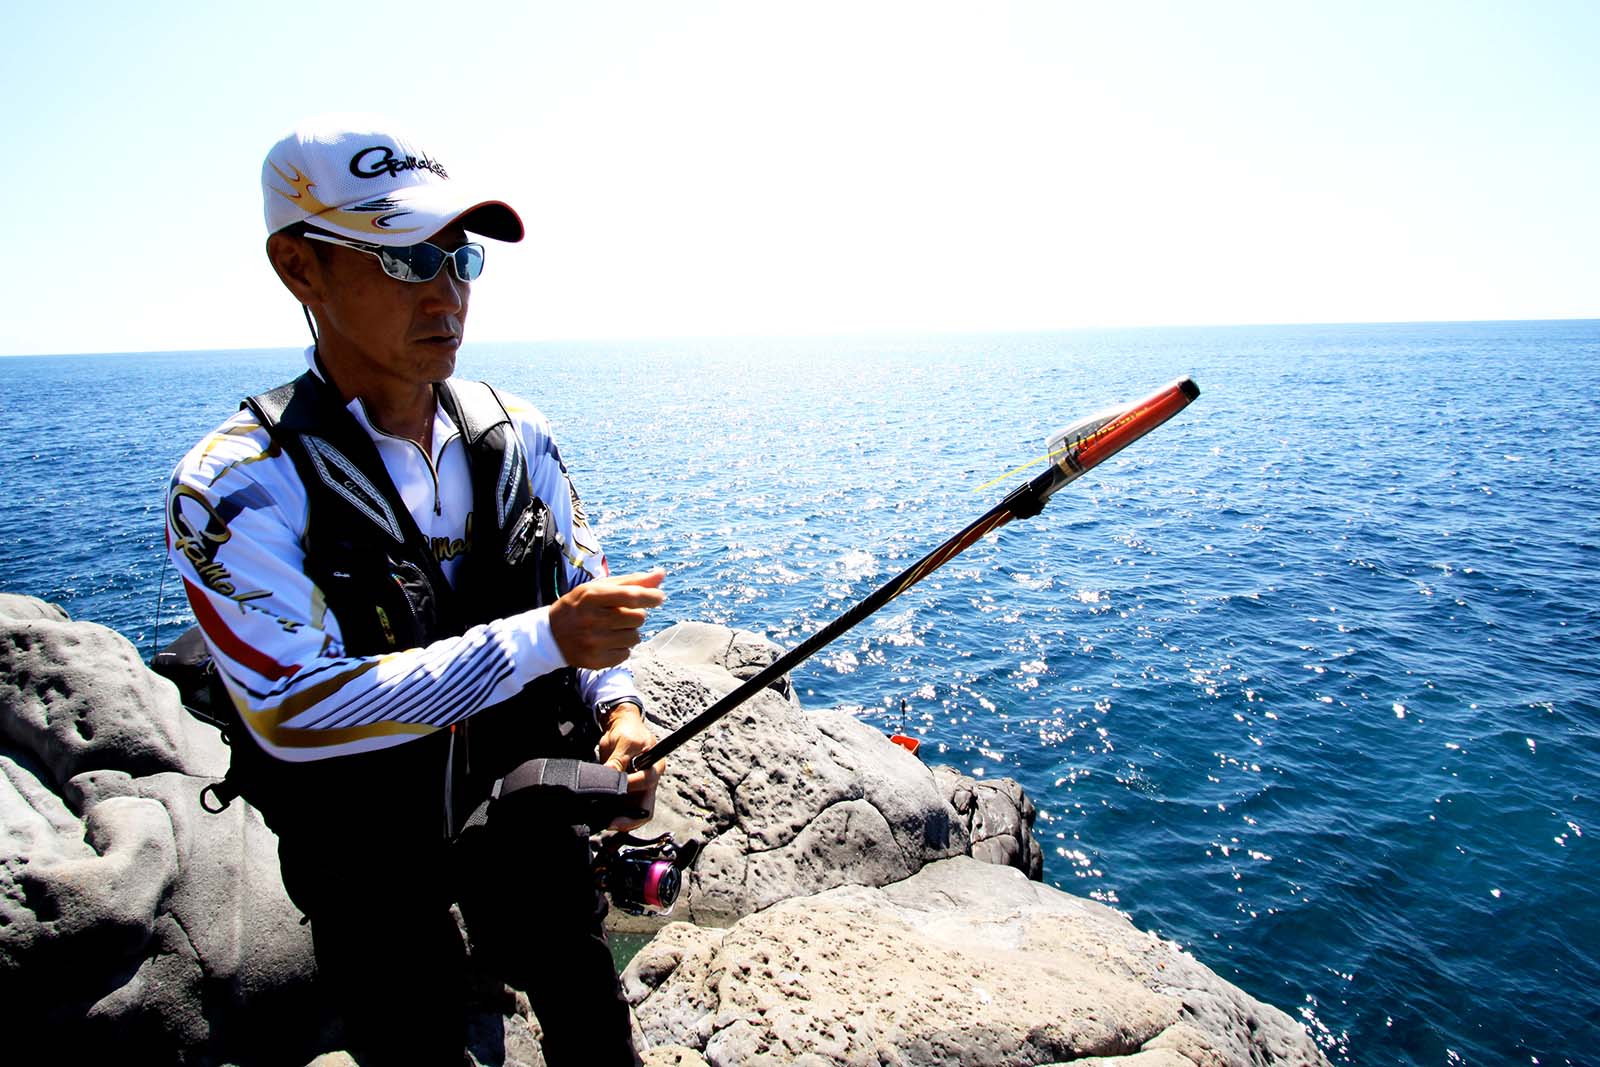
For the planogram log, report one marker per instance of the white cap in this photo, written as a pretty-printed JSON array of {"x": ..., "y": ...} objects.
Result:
[{"x": 362, "y": 177}]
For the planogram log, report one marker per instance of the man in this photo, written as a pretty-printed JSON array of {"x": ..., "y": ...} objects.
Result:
[{"x": 404, "y": 601}]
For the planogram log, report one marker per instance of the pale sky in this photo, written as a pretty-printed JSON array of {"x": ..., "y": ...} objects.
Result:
[{"x": 700, "y": 168}]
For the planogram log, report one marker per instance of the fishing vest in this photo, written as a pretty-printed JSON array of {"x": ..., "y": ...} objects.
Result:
[
  {"x": 381, "y": 579},
  {"x": 376, "y": 570}
]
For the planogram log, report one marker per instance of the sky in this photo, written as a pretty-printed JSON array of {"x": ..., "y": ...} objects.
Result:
[{"x": 761, "y": 168}]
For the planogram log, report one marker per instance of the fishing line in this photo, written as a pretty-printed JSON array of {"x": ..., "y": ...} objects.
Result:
[
  {"x": 1015, "y": 470},
  {"x": 161, "y": 590}
]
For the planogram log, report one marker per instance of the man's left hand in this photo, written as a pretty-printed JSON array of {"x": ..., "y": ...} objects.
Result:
[{"x": 625, "y": 737}]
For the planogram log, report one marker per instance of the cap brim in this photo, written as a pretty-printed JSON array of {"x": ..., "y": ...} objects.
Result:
[
  {"x": 494, "y": 219},
  {"x": 415, "y": 213}
]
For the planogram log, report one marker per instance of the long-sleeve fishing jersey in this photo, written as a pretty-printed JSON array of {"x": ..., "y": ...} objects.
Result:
[{"x": 237, "y": 517}]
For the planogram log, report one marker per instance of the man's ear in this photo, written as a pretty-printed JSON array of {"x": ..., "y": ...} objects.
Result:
[{"x": 298, "y": 267}]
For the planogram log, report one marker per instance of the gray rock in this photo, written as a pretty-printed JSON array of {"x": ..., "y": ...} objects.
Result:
[
  {"x": 76, "y": 893},
  {"x": 998, "y": 817},
  {"x": 790, "y": 802},
  {"x": 673, "y": 1056},
  {"x": 963, "y": 963},
  {"x": 130, "y": 918},
  {"x": 77, "y": 697},
  {"x": 20, "y": 608},
  {"x": 134, "y": 923}
]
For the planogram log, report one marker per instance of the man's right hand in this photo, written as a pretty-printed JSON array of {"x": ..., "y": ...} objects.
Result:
[{"x": 598, "y": 622}]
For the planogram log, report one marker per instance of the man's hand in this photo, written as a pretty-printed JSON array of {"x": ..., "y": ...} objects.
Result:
[
  {"x": 626, "y": 736},
  {"x": 598, "y": 622}
]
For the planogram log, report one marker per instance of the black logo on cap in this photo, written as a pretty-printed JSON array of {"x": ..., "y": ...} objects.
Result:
[{"x": 380, "y": 159}]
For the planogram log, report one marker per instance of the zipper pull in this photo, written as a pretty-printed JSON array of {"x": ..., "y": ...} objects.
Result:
[{"x": 522, "y": 537}]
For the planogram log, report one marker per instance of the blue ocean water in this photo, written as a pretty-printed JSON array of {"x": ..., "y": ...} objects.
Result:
[{"x": 1308, "y": 680}]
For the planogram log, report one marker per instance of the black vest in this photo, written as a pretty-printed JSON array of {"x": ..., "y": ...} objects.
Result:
[{"x": 381, "y": 579}]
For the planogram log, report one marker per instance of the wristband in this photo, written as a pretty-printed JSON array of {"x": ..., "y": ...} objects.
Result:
[{"x": 603, "y": 710}]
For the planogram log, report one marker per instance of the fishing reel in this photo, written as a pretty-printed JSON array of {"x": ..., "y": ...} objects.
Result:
[{"x": 643, "y": 876}]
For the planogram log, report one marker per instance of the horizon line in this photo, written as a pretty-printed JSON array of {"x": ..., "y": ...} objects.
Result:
[{"x": 820, "y": 334}]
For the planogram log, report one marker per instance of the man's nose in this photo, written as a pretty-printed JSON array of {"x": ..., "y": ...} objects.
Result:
[{"x": 444, "y": 293}]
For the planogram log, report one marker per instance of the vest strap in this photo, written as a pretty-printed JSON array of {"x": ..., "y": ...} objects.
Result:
[{"x": 582, "y": 792}]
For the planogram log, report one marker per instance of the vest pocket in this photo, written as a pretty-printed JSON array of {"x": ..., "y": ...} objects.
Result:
[
  {"x": 422, "y": 609},
  {"x": 389, "y": 607}
]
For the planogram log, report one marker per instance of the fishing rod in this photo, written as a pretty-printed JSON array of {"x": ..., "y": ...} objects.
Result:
[{"x": 1073, "y": 452}]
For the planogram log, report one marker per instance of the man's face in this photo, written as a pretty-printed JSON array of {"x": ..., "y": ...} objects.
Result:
[{"x": 375, "y": 331}]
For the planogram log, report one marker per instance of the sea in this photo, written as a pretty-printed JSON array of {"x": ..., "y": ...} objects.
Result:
[{"x": 1307, "y": 680}]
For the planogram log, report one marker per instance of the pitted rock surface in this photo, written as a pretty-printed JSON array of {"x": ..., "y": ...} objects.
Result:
[
  {"x": 964, "y": 963},
  {"x": 135, "y": 924},
  {"x": 791, "y": 802},
  {"x": 999, "y": 818},
  {"x": 77, "y": 697}
]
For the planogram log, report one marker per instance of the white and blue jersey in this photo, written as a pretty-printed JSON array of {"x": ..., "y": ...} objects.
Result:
[{"x": 236, "y": 532}]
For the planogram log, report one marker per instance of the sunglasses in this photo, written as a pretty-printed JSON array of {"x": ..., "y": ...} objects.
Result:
[{"x": 415, "y": 263}]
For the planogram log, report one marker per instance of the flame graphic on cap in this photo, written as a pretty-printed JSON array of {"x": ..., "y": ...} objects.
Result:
[{"x": 361, "y": 217}]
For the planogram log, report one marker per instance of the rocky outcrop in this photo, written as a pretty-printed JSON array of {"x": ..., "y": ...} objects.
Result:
[
  {"x": 790, "y": 802},
  {"x": 964, "y": 963},
  {"x": 133, "y": 923},
  {"x": 998, "y": 818},
  {"x": 129, "y": 917}
]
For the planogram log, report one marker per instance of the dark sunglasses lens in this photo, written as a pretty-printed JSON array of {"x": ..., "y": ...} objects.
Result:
[
  {"x": 415, "y": 263},
  {"x": 422, "y": 263},
  {"x": 469, "y": 262}
]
